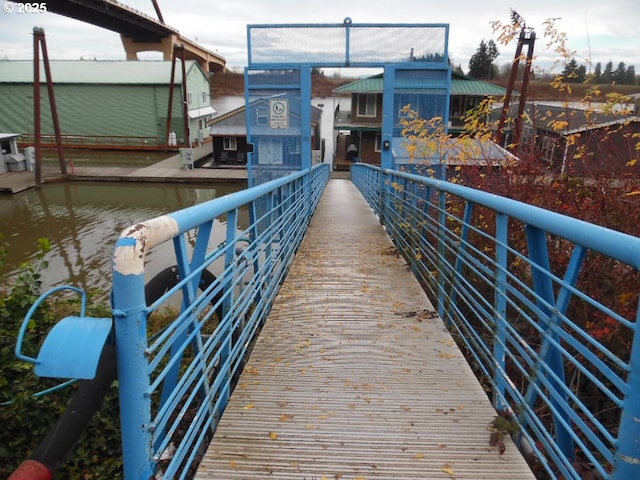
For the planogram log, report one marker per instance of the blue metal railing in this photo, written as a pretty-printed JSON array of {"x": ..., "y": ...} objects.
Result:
[
  {"x": 175, "y": 377},
  {"x": 512, "y": 283}
]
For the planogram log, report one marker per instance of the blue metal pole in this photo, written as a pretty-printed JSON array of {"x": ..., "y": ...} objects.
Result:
[
  {"x": 628, "y": 446},
  {"x": 131, "y": 343},
  {"x": 500, "y": 311}
]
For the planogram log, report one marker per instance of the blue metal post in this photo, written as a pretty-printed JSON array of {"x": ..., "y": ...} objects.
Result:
[
  {"x": 628, "y": 451},
  {"x": 131, "y": 342},
  {"x": 305, "y": 120},
  {"x": 500, "y": 311}
]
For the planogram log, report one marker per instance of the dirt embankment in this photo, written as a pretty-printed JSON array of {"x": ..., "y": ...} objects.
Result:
[
  {"x": 230, "y": 83},
  {"x": 576, "y": 92}
]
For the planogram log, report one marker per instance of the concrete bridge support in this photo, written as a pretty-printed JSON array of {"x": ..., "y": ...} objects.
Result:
[{"x": 209, "y": 61}]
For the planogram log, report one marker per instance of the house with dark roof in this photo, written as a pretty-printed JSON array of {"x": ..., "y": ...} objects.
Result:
[
  {"x": 107, "y": 104},
  {"x": 360, "y": 126},
  {"x": 578, "y": 139},
  {"x": 228, "y": 133}
]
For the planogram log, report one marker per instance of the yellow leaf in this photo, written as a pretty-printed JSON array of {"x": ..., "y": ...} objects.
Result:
[
  {"x": 273, "y": 435},
  {"x": 447, "y": 469},
  {"x": 249, "y": 406},
  {"x": 420, "y": 456},
  {"x": 233, "y": 464}
]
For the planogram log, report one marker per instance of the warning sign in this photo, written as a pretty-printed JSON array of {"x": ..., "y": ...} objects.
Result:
[{"x": 279, "y": 113}]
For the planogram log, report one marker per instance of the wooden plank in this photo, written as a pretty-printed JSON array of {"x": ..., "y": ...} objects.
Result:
[{"x": 354, "y": 375}]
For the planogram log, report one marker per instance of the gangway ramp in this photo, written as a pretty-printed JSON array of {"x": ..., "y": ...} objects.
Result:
[{"x": 354, "y": 375}]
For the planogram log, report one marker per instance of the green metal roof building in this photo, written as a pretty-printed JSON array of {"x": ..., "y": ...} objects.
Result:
[
  {"x": 107, "y": 104},
  {"x": 360, "y": 126}
]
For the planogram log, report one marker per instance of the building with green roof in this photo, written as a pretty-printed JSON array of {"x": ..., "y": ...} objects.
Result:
[
  {"x": 107, "y": 104},
  {"x": 360, "y": 126}
]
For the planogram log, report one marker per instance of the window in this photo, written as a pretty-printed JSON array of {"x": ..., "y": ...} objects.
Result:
[
  {"x": 262, "y": 116},
  {"x": 189, "y": 99},
  {"x": 547, "y": 148},
  {"x": 229, "y": 143},
  {"x": 294, "y": 146},
  {"x": 378, "y": 145},
  {"x": 367, "y": 104},
  {"x": 204, "y": 97}
]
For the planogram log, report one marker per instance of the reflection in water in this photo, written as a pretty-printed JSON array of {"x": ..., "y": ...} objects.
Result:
[{"x": 83, "y": 220}]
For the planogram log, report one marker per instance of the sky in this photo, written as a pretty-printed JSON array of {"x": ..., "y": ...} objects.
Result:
[{"x": 596, "y": 30}]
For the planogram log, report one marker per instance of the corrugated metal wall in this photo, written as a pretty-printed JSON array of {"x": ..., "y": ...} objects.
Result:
[{"x": 118, "y": 110}]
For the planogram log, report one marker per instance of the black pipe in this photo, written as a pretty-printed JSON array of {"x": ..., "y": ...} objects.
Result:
[{"x": 84, "y": 403}]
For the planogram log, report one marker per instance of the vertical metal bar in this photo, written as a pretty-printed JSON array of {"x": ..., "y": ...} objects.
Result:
[
  {"x": 507, "y": 98},
  {"x": 500, "y": 311},
  {"x": 459, "y": 264},
  {"x": 305, "y": 119},
  {"x": 549, "y": 353},
  {"x": 133, "y": 376},
  {"x": 37, "y": 34},
  {"x": 388, "y": 99},
  {"x": 627, "y": 463},
  {"x": 185, "y": 98},
  {"x": 172, "y": 86},
  {"x": 517, "y": 133},
  {"x": 442, "y": 251},
  {"x": 53, "y": 107}
]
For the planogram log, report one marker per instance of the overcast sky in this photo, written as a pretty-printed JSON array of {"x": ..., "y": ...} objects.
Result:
[{"x": 601, "y": 30}]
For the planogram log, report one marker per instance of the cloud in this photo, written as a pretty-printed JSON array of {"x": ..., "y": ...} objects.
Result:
[{"x": 595, "y": 29}]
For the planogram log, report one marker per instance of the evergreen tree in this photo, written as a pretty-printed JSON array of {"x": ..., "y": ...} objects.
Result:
[
  {"x": 481, "y": 62},
  {"x": 618, "y": 75},
  {"x": 597, "y": 72},
  {"x": 607, "y": 74},
  {"x": 574, "y": 73},
  {"x": 630, "y": 76}
]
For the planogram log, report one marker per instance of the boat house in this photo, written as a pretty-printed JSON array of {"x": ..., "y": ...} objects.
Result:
[{"x": 108, "y": 104}]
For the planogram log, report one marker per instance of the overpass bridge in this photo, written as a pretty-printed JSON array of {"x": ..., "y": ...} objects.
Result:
[{"x": 139, "y": 31}]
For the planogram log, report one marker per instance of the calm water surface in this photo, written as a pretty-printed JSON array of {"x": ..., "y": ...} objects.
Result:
[{"x": 83, "y": 220}]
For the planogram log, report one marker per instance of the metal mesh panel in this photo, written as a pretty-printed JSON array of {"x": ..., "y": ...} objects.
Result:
[
  {"x": 346, "y": 44},
  {"x": 296, "y": 45},
  {"x": 397, "y": 44}
]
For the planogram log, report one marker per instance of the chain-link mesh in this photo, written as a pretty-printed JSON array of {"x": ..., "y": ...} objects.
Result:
[{"x": 348, "y": 45}]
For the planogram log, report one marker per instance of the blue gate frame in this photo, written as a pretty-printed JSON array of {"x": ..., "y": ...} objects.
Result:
[{"x": 416, "y": 74}]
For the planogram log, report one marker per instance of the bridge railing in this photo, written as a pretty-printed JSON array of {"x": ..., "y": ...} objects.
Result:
[
  {"x": 514, "y": 284},
  {"x": 177, "y": 365}
]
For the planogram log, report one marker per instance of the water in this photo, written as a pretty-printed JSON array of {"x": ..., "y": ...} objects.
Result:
[{"x": 83, "y": 220}]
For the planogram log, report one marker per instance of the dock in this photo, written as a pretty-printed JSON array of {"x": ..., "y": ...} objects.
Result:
[
  {"x": 354, "y": 375},
  {"x": 168, "y": 170}
]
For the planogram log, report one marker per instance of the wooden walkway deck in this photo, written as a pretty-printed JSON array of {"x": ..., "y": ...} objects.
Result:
[
  {"x": 354, "y": 376},
  {"x": 168, "y": 170}
]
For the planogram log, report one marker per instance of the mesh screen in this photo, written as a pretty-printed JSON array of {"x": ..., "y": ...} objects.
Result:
[
  {"x": 397, "y": 44},
  {"x": 346, "y": 44},
  {"x": 296, "y": 44}
]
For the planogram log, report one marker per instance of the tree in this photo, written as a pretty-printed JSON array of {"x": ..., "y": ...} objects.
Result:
[
  {"x": 607, "y": 74},
  {"x": 619, "y": 73},
  {"x": 574, "y": 73},
  {"x": 481, "y": 62}
]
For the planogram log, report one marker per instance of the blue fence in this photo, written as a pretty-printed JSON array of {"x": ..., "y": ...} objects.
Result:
[
  {"x": 175, "y": 375},
  {"x": 512, "y": 282}
]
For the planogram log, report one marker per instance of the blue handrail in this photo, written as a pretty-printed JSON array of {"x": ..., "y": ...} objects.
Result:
[
  {"x": 175, "y": 377},
  {"x": 524, "y": 317}
]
